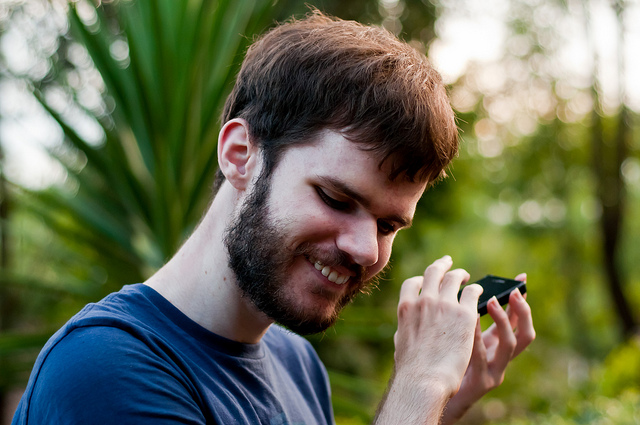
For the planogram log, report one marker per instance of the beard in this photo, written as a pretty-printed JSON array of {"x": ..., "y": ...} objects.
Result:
[{"x": 260, "y": 260}]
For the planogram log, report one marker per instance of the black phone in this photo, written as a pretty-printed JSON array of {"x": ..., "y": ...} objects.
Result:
[{"x": 499, "y": 287}]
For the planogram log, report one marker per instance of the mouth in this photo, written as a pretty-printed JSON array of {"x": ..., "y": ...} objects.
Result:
[{"x": 331, "y": 274}]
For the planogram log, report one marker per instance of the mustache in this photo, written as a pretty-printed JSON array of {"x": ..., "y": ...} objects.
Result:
[{"x": 333, "y": 258}]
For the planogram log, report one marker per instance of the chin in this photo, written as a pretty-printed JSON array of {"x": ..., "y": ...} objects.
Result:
[
  {"x": 318, "y": 315},
  {"x": 309, "y": 327}
]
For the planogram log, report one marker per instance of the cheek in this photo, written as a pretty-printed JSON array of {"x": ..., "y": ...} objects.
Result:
[
  {"x": 308, "y": 215},
  {"x": 291, "y": 209},
  {"x": 304, "y": 223}
]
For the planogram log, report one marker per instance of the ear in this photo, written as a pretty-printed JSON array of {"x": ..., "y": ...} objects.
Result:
[{"x": 237, "y": 156}]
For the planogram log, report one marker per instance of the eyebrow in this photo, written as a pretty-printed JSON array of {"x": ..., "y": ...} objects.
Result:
[{"x": 352, "y": 193}]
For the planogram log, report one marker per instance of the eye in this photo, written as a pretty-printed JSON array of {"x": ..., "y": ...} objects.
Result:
[
  {"x": 331, "y": 202},
  {"x": 385, "y": 227}
]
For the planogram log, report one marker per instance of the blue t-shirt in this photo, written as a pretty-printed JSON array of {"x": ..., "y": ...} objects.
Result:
[{"x": 134, "y": 358}]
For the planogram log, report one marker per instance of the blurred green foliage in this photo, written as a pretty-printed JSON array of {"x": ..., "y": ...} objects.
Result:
[{"x": 516, "y": 200}]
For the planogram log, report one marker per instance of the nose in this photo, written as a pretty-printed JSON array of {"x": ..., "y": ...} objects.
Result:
[{"x": 359, "y": 240}]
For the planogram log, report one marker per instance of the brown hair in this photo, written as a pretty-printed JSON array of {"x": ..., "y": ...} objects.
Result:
[{"x": 325, "y": 73}]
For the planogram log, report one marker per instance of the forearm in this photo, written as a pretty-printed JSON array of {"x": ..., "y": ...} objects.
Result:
[
  {"x": 411, "y": 400},
  {"x": 456, "y": 408}
]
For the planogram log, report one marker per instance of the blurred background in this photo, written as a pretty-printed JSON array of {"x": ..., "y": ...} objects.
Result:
[{"x": 109, "y": 114}]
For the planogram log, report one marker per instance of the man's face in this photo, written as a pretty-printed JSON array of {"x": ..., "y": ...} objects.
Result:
[{"x": 316, "y": 233}]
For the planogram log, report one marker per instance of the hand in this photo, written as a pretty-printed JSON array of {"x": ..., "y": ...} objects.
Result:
[
  {"x": 511, "y": 332},
  {"x": 434, "y": 343}
]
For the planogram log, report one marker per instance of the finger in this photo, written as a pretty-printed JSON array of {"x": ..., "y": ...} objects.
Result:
[
  {"x": 452, "y": 281},
  {"x": 504, "y": 332},
  {"x": 434, "y": 274},
  {"x": 470, "y": 295},
  {"x": 490, "y": 337},
  {"x": 513, "y": 319},
  {"x": 520, "y": 312},
  {"x": 411, "y": 288},
  {"x": 479, "y": 353}
]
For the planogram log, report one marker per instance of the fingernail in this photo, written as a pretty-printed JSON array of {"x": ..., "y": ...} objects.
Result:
[
  {"x": 519, "y": 296},
  {"x": 494, "y": 301},
  {"x": 447, "y": 257}
]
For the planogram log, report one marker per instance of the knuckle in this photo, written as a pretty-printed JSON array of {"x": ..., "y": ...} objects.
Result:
[
  {"x": 459, "y": 273},
  {"x": 440, "y": 265},
  {"x": 470, "y": 317},
  {"x": 435, "y": 267},
  {"x": 511, "y": 344},
  {"x": 525, "y": 308},
  {"x": 412, "y": 282},
  {"x": 475, "y": 289},
  {"x": 530, "y": 336},
  {"x": 415, "y": 280},
  {"x": 403, "y": 309},
  {"x": 493, "y": 381},
  {"x": 425, "y": 302},
  {"x": 511, "y": 339},
  {"x": 489, "y": 384}
]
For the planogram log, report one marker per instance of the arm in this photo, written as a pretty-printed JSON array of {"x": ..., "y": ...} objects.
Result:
[
  {"x": 104, "y": 375},
  {"x": 492, "y": 352},
  {"x": 434, "y": 342}
]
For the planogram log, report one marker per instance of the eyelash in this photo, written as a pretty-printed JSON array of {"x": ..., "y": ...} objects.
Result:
[
  {"x": 384, "y": 227},
  {"x": 388, "y": 227},
  {"x": 333, "y": 203}
]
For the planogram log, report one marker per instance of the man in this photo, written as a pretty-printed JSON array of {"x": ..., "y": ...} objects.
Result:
[{"x": 330, "y": 136}]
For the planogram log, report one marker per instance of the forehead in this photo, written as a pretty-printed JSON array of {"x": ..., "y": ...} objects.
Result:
[{"x": 333, "y": 156}]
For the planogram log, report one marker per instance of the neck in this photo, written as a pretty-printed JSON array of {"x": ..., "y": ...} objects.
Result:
[{"x": 199, "y": 282}]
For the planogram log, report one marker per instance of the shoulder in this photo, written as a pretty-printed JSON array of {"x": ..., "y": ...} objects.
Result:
[
  {"x": 107, "y": 366},
  {"x": 103, "y": 374}
]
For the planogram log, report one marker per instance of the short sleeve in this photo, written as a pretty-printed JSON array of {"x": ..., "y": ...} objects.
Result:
[{"x": 104, "y": 375}]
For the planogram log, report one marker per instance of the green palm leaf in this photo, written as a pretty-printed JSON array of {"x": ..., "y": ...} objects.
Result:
[
  {"x": 149, "y": 180},
  {"x": 129, "y": 200}
]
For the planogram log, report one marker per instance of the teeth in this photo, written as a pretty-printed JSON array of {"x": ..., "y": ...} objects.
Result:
[{"x": 331, "y": 275}]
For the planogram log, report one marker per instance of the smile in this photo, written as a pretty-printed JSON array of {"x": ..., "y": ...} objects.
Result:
[{"x": 329, "y": 273}]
